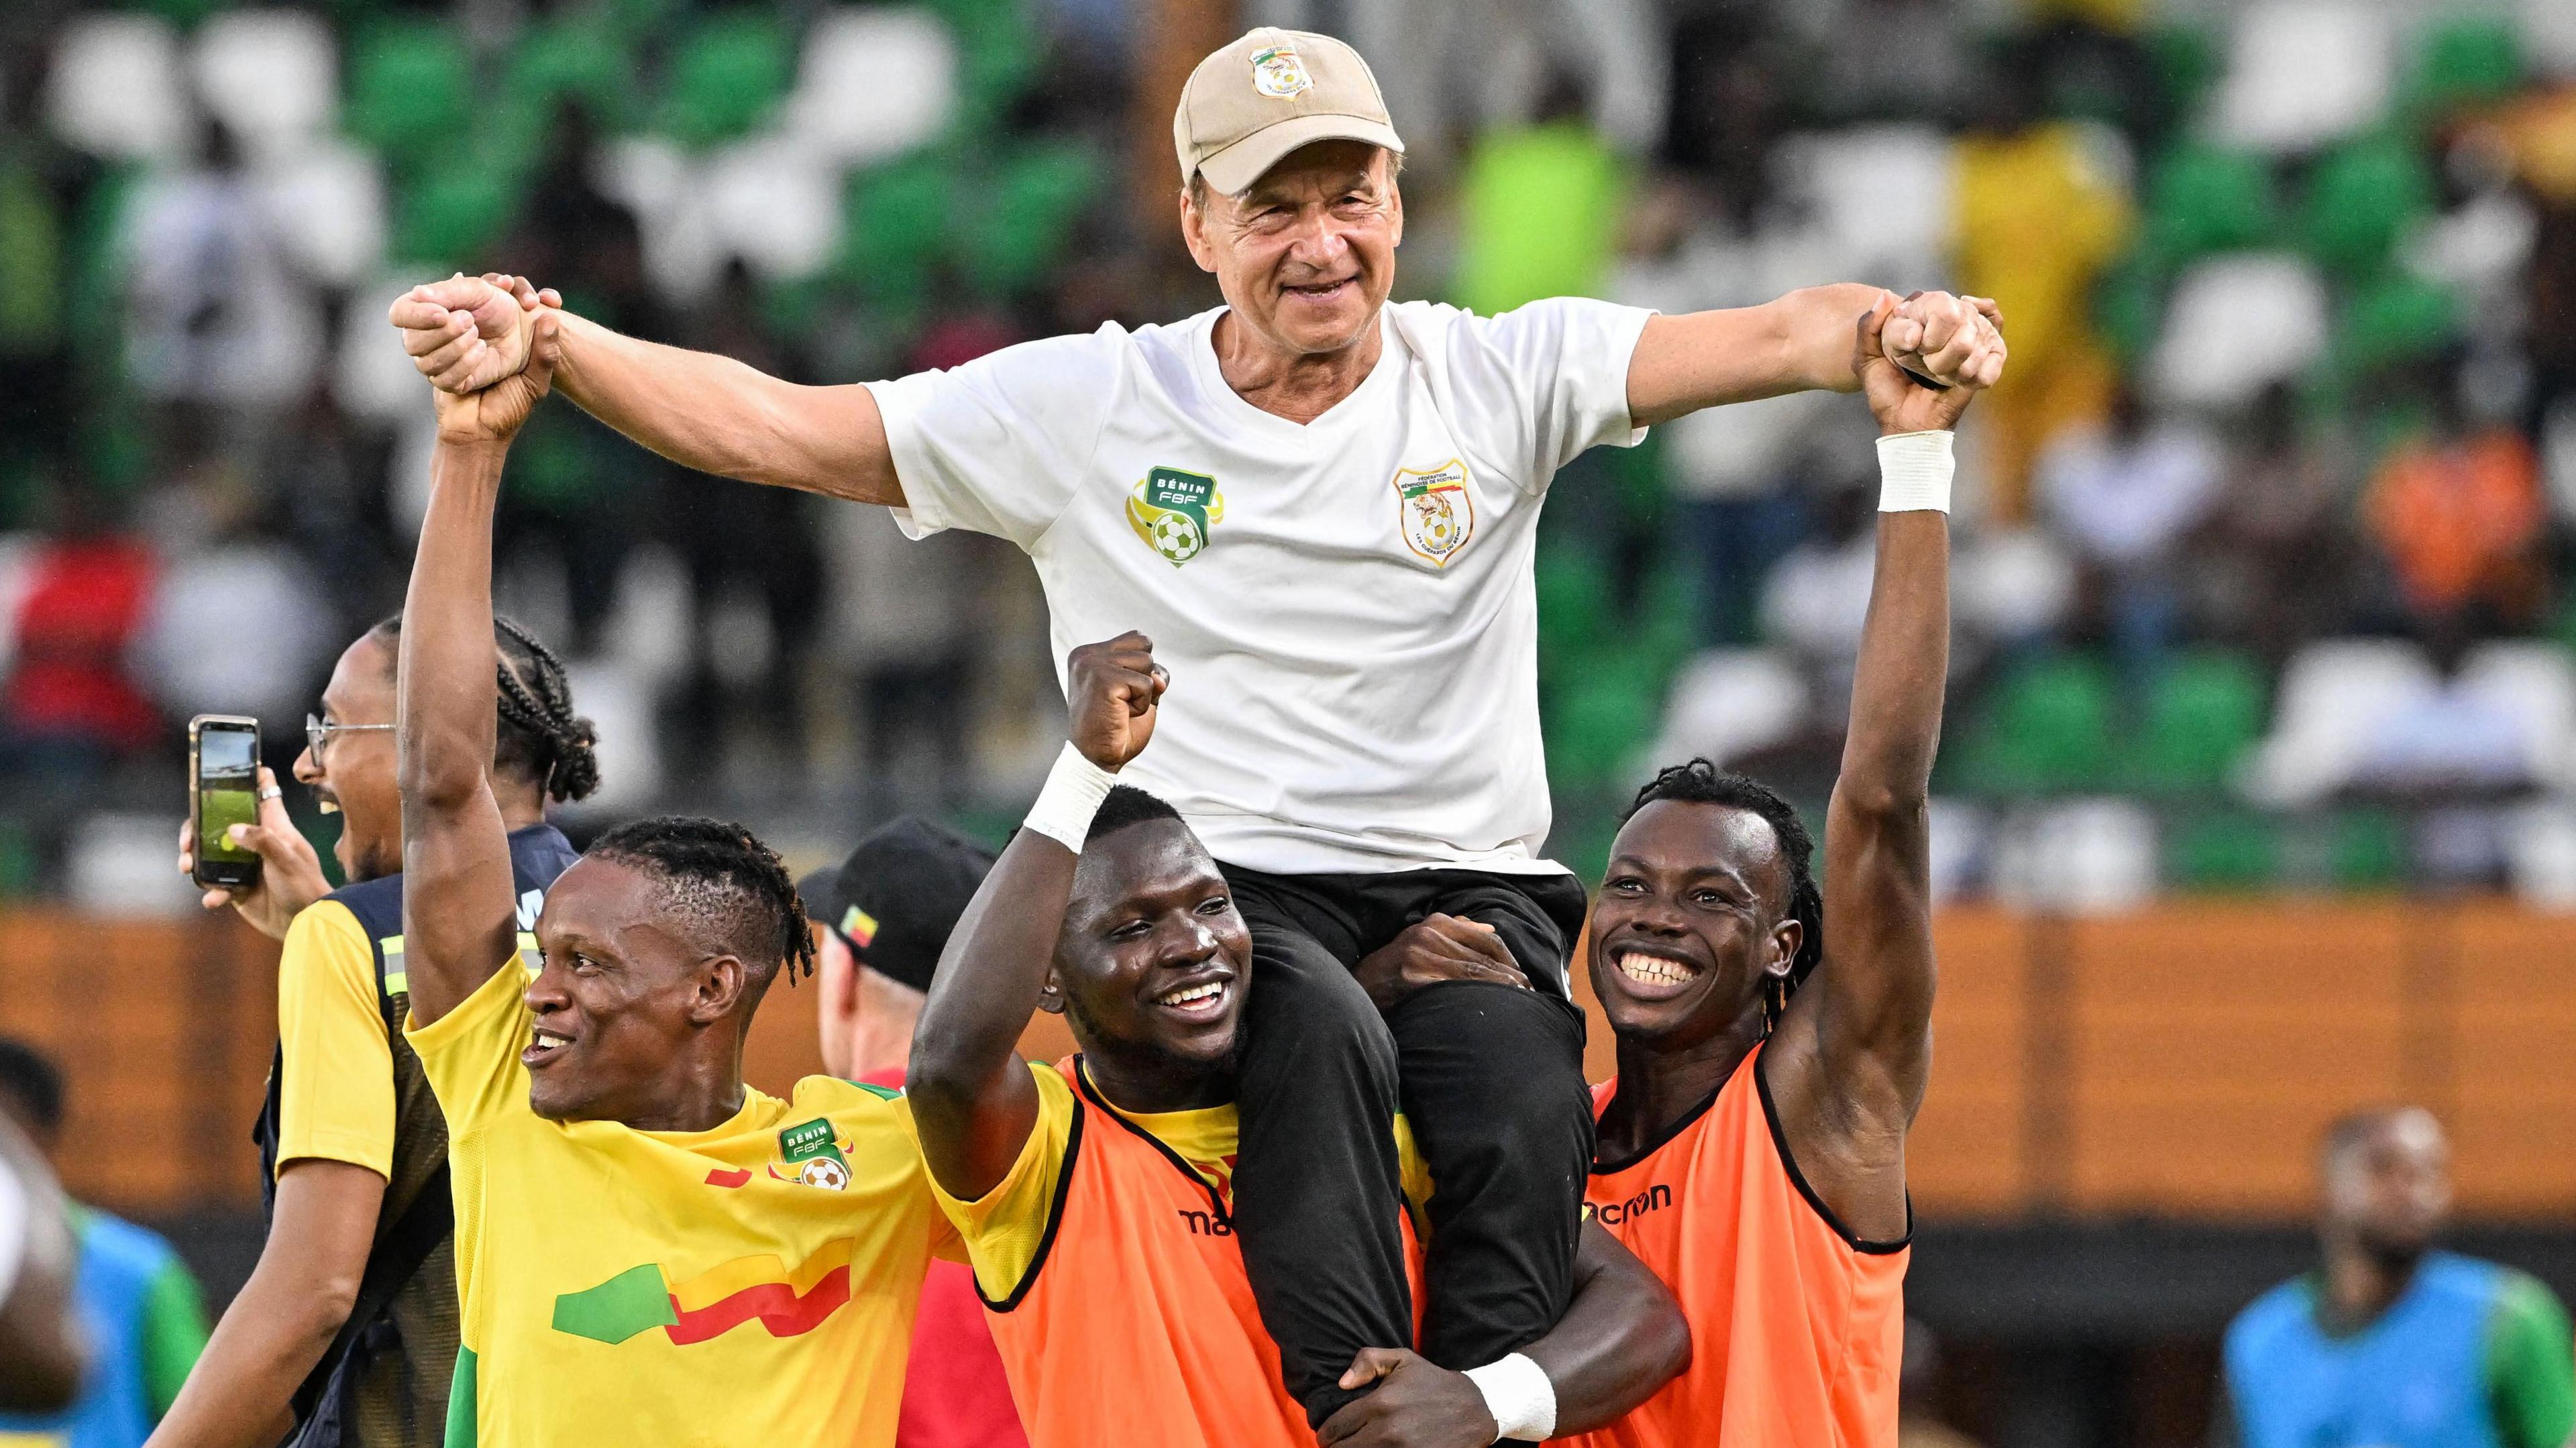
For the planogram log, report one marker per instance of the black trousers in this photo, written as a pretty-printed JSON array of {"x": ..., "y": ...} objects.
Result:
[{"x": 1491, "y": 1079}]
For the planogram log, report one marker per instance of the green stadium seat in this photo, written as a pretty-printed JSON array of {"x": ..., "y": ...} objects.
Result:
[
  {"x": 2204, "y": 710},
  {"x": 2461, "y": 61},
  {"x": 1031, "y": 207},
  {"x": 2367, "y": 849},
  {"x": 897, "y": 228},
  {"x": 582, "y": 60},
  {"x": 448, "y": 217},
  {"x": 410, "y": 89},
  {"x": 726, "y": 77},
  {"x": 2189, "y": 62},
  {"x": 2204, "y": 200},
  {"x": 2360, "y": 201},
  {"x": 2233, "y": 850},
  {"x": 2129, "y": 307},
  {"x": 1574, "y": 593},
  {"x": 2400, "y": 319},
  {"x": 1607, "y": 710},
  {"x": 998, "y": 55},
  {"x": 2047, "y": 728}
]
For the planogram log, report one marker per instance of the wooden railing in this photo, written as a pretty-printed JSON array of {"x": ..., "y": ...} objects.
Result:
[{"x": 2179, "y": 1061}]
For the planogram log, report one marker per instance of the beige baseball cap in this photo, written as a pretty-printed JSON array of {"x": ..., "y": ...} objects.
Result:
[{"x": 1247, "y": 106}]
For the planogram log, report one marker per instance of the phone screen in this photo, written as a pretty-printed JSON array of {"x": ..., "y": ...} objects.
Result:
[{"x": 227, "y": 790}]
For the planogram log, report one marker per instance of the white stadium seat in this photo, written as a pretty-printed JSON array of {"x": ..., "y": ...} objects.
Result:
[
  {"x": 117, "y": 90},
  {"x": 2302, "y": 72},
  {"x": 874, "y": 83},
  {"x": 273, "y": 76}
]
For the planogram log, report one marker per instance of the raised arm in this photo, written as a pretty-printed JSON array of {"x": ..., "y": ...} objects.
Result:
[
  {"x": 1803, "y": 342},
  {"x": 1621, "y": 1339},
  {"x": 699, "y": 410},
  {"x": 1847, "y": 1065},
  {"x": 972, "y": 1097},
  {"x": 459, "y": 904}
]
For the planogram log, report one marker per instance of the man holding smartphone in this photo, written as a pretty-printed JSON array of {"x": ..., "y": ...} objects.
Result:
[{"x": 348, "y": 1323}]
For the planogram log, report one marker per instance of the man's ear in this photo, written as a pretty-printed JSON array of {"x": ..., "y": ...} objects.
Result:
[
  {"x": 1194, "y": 224},
  {"x": 1051, "y": 994},
  {"x": 1786, "y": 938},
  {"x": 717, "y": 989}
]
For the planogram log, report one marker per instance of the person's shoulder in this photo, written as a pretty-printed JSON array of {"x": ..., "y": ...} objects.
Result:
[
  {"x": 376, "y": 903},
  {"x": 2449, "y": 1274},
  {"x": 124, "y": 1245},
  {"x": 2279, "y": 1310},
  {"x": 857, "y": 1108}
]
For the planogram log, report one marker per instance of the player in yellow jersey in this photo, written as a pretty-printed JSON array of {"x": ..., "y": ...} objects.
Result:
[{"x": 647, "y": 1250}]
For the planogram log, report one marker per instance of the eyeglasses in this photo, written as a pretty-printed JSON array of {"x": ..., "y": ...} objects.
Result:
[{"x": 317, "y": 735}]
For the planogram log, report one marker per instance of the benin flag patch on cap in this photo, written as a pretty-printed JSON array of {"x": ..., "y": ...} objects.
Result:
[{"x": 859, "y": 925}]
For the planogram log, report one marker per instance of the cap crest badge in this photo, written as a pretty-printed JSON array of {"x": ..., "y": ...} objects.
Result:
[{"x": 1279, "y": 74}]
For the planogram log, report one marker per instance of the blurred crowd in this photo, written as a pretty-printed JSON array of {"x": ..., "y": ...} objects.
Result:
[{"x": 2268, "y": 578}]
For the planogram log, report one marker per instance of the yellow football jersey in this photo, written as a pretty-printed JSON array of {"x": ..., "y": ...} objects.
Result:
[{"x": 750, "y": 1285}]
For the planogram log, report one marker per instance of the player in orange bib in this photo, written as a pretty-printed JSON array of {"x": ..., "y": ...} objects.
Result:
[
  {"x": 1095, "y": 1196},
  {"x": 1772, "y": 1042}
]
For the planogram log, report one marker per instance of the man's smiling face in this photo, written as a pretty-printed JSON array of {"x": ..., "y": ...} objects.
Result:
[
  {"x": 1306, "y": 256},
  {"x": 1691, "y": 921}
]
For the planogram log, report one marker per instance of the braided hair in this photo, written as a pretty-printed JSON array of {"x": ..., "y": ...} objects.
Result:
[
  {"x": 1701, "y": 782},
  {"x": 725, "y": 883},
  {"x": 540, "y": 737}
]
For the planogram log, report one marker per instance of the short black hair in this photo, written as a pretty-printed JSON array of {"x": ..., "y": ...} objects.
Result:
[
  {"x": 1126, "y": 805},
  {"x": 540, "y": 738},
  {"x": 32, "y": 1077},
  {"x": 1702, "y": 782},
  {"x": 724, "y": 881}
]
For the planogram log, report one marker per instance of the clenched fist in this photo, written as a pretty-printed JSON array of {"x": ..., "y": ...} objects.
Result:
[
  {"x": 1113, "y": 689},
  {"x": 466, "y": 333},
  {"x": 1946, "y": 340}
]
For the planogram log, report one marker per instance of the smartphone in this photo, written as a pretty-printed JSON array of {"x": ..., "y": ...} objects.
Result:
[{"x": 223, "y": 773}]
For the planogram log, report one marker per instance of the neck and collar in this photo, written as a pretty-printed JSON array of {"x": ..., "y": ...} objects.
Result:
[
  {"x": 2359, "y": 1283},
  {"x": 1298, "y": 386},
  {"x": 1661, "y": 1089},
  {"x": 1141, "y": 1082}
]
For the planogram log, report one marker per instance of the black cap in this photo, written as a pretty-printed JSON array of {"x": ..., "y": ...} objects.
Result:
[{"x": 898, "y": 895}]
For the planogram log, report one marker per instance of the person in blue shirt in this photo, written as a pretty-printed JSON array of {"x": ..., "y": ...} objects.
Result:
[
  {"x": 2390, "y": 1343},
  {"x": 135, "y": 1300}
]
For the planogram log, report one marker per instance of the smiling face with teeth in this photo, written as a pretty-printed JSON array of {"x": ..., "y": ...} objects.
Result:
[
  {"x": 1306, "y": 255},
  {"x": 1150, "y": 968},
  {"x": 354, "y": 778},
  {"x": 1692, "y": 920}
]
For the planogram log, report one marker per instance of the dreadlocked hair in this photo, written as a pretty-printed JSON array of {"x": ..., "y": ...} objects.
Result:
[
  {"x": 540, "y": 737},
  {"x": 1700, "y": 782},
  {"x": 725, "y": 883}
]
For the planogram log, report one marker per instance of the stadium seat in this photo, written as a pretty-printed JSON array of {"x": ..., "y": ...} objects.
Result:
[
  {"x": 998, "y": 56},
  {"x": 331, "y": 199},
  {"x": 579, "y": 60},
  {"x": 2235, "y": 325},
  {"x": 2232, "y": 850},
  {"x": 1574, "y": 593},
  {"x": 897, "y": 228},
  {"x": 2302, "y": 72},
  {"x": 2462, "y": 61},
  {"x": 1882, "y": 194},
  {"x": 2204, "y": 711},
  {"x": 1604, "y": 717},
  {"x": 775, "y": 204},
  {"x": 2549, "y": 28},
  {"x": 2401, "y": 319},
  {"x": 447, "y": 217},
  {"x": 2360, "y": 201},
  {"x": 2540, "y": 855},
  {"x": 2190, "y": 61},
  {"x": 1729, "y": 703},
  {"x": 2331, "y": 695},
  {"x": 2047, "y": 728},
  {"x": 2536, "y": 683},
  {"x": 2083, "y": 856},
  {"x": 874, "y": 83},
  {"x": 2204, "y": 199},
  {"x": 117, "y": 90},
  {"x": 726, "y": 77},
  {"x": 270, "y": 75},
  {"x": 2368, "y": 850},
  {"x": 411, "y": 88},
  {"x": 1030, "y": 208}
]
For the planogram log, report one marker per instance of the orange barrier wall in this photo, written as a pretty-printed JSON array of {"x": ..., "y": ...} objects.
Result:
[{"x": 2177, "y": 1061}]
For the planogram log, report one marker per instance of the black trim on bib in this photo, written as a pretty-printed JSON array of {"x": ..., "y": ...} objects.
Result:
[
  {"x": 1055, "y": 1220},
  {"x": 1798, "y": 1179}
]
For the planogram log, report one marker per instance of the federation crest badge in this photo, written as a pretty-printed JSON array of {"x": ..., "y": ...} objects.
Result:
[
  {"x": 808, "y": 1154},
  {"x": 1436, "y": 509},
  {"x": 1173, "y": 511},
  {"x": 1279, "y": 74}
]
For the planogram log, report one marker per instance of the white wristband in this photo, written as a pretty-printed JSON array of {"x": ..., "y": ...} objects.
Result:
[
  {"x": 1074, "y": 790},
  {"x": 1519, "y": 1396},
  {"x": 1914, "y": 471}
]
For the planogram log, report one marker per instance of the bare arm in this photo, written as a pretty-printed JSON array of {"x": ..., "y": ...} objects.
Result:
[
  {"x": 1622, "y": 1338},
  {"x": 1800, "y": 343},
  {"x": 1847, "y": 1064},
  {"x": 459, "y": 903},
  {"x": 702, "y": 411},
  {"x": 972, "y": 1098},
  {"x": 302, "y": 1291}
]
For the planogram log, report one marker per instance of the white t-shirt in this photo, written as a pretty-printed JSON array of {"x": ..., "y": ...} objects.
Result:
[{"x": 1346, "y": 607}]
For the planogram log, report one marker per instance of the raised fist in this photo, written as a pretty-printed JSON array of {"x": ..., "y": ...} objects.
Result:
[
  {"x": 466, "y": 333},
  {"x": 1958, "y": 333},
  {"x": 1113, "y": 689},
  {"x": 1948, "y": 340}
]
